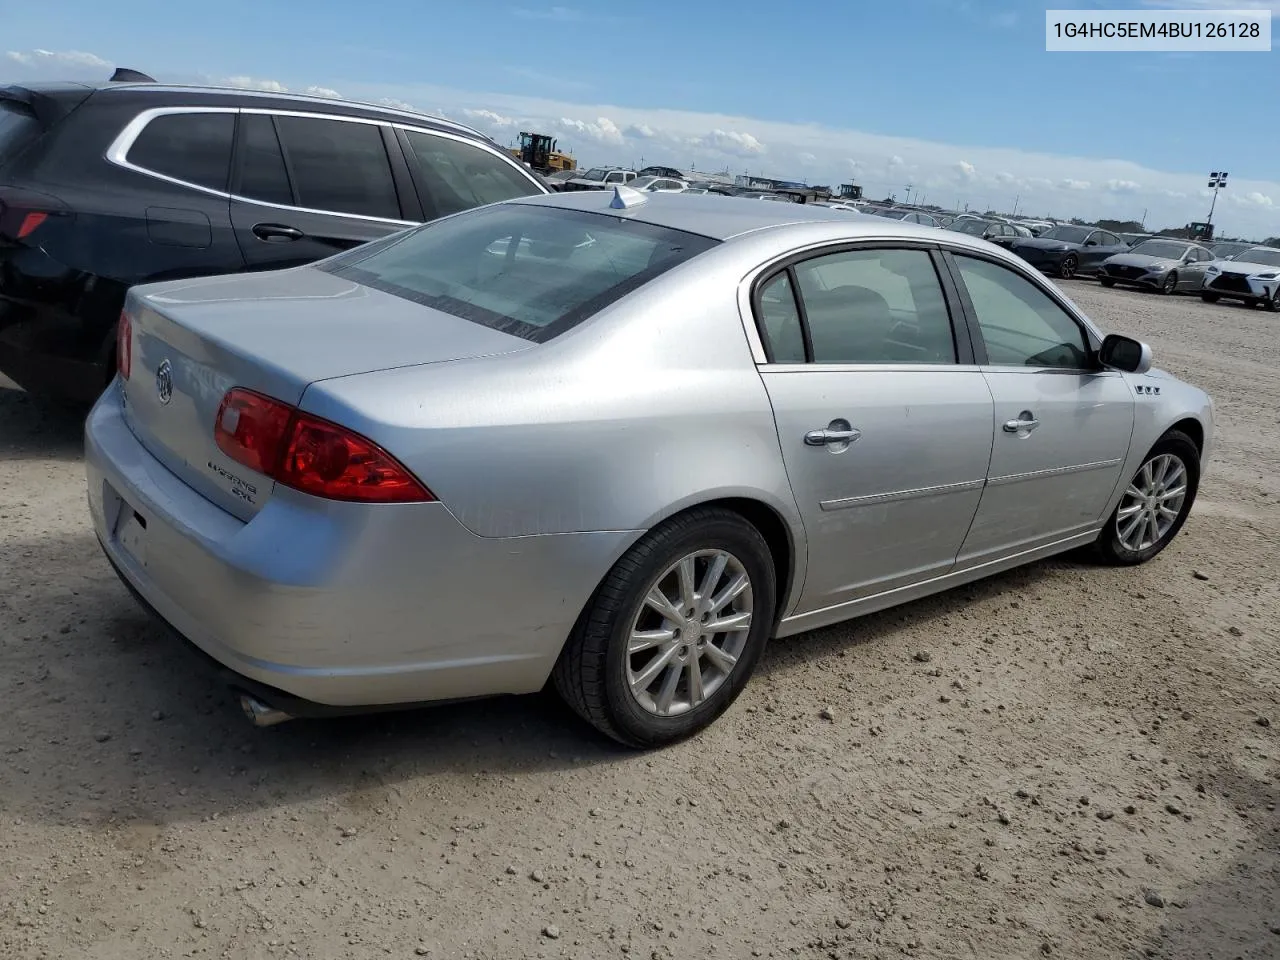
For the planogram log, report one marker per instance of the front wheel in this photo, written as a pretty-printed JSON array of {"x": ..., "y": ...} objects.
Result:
[
  {"x": 1155, "y": 504},
  {"x": 1106, "y": 281},
  {"x": 674, "y": 631},
  {"x": 1273, "y": 301},
  {"x": 1067, "y": 269},
  {"x": 1170, "y": 283}
]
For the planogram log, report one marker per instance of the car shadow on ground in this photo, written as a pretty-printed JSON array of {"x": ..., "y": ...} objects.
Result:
[
  {"x": 113, "y": 717},
  {"x": 37, "y": 428}
]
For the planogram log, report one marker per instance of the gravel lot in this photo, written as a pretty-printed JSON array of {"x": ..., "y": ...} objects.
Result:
[{"x": 1065, "y": 760}]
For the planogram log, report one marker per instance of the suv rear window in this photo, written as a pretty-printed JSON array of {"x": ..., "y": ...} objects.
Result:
[
  {"x": 524, "y": 269},
  {"x": 17, "y": 128},
  {"x": 192, "y": 147}
]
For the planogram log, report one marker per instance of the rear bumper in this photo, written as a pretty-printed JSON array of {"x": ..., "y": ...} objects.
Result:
[{"x": 338, "y": 604}]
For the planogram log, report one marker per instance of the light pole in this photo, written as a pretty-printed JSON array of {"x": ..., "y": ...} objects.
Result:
[{"x": 1217, "y": 181}]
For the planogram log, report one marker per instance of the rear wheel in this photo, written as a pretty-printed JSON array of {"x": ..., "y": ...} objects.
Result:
[
  {"x": 1170, "y": 283},
  {"x": 1209, "y": 297},
  {"x": 1067, "y": 269},
  {"x": 1155, "y": 504},
  {"x": 1106, "y": 281},
  {"x": 674, "y": 632}
]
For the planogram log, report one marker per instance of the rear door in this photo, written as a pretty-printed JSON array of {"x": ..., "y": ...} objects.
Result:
[
  {"x": 308, "y": 186},
  {"x": 884, "y": 421},
  {"x": 1098, "y": 246},
  {"x": 1062, "y": 424}
]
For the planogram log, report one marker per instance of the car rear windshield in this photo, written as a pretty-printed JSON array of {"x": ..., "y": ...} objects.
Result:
[
  {"x": 17, "y": 128},
  {"x": 524, "y": 269}
]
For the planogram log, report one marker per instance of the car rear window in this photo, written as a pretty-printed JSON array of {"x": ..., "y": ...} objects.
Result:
[
  {"x": 524, "y": 269},
  {"x": 17, "y": 129}
]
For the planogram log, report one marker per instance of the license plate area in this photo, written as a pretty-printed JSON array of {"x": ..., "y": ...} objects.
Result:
[{"x": 130, "y": 532}]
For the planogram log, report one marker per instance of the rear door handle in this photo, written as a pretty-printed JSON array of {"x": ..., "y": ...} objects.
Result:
[
  {"x": 276, "y": 232},
  {"x": 820, "y": 438},
  {"x": 1025, "y": 423}
]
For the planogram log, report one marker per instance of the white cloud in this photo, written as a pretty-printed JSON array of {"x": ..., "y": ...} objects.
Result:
[
  {"x": 488, "y": 118},
  {"x": 1258, "y": 199},
  {"x": 396, "y": 104},
  {"x": 251, "y": 83},
  {"x": 54, "y": 58},
  {"x": 1122, "y": 186},
  {"x": 806, "y": 158},
  {"x": 731, "y": 142},
  {"x": 322, "y": 92},
  {"x": 895, "y": 161},
  {"x": 1069, "y": 183},
  {"x": 603, "y": 130},
  {"x": 966, "y": 170},
  {"x": 640, "y": 131}
]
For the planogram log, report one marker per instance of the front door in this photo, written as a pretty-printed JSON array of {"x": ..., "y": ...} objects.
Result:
[
  {"x": 1061, "y": 426},
  {"x": 308, "y": 187},
  {"x": 885, "y": 435}
]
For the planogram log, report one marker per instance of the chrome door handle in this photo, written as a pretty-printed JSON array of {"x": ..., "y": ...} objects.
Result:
[
  {"x": 1025, "y": 423},
  {"x": 819, "y": 438}
]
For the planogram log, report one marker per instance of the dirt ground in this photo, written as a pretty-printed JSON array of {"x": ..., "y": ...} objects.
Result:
[{"x": 1065, "y": 760}]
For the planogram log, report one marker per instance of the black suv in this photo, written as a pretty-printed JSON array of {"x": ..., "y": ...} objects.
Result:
[{"x": 103, "y": 187}]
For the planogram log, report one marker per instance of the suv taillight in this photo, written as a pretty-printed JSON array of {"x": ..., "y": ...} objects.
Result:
[
  {"x": 310, "y": 454},
  {"x": 124, "y": 346},
  {"x": 23, "y": 212}
]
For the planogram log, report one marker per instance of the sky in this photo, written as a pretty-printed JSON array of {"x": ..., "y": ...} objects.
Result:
[{"x": 956, "y": 99}]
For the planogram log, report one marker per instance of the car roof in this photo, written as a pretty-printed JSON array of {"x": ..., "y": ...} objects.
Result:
[
  {"x": 723, "y": 218},
  {"x": 281, "y": 99}
]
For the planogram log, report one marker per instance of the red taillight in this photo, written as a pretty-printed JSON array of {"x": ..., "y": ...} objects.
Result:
[
  {"x": 310, "y": 454},
  {"x": 124, "y": 346},
  {"x": 29, "y": 224}
]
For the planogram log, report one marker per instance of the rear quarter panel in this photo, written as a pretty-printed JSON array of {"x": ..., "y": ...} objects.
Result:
[{"x": 650, "y": 407}]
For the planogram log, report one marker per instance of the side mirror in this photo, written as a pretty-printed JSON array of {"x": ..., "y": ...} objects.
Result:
[
  {"x": 1091, "y": 243},
  {"x": 1124, "y": 354}
]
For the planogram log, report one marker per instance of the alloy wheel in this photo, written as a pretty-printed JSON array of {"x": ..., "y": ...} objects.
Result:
[
  {"x": 1170, "y": 283},
  {"x": 689, "y": 633},
  {"x": 1152, "y": 502},
  {"x": 1068, "y": 268}
]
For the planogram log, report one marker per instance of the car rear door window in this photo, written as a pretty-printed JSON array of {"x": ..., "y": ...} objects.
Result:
[
  {"x": 1021, "y": 325},
  {"x": 191, "y": 147},
  {"x": 262, "y": 171},
  {"x": 339, "y": 166},
  {"x": 458, "y": 176},
  {"x": 780, "y": 323},
  {"x": 875, "y": 306}
]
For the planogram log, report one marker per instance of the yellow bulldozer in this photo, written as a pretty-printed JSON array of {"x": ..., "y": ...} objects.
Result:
[{"x": 542, "y": 153}]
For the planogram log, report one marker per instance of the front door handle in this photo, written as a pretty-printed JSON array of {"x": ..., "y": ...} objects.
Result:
[
  {"x": 276, "y": 232},
  {"x": 820, "y": 438},
  {"x": 1025, "y": 423}
]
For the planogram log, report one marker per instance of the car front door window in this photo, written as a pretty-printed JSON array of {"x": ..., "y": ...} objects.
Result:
[{"x": 1021, "y": 325}]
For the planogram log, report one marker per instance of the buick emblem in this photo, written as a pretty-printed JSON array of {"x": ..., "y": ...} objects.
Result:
[{"x": 164, "y": 381}]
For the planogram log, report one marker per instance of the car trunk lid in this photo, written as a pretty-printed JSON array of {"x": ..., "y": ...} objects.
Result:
[{"x": 274, "y": 333}]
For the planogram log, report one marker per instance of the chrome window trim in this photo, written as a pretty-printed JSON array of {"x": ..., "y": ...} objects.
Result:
[
  {"x": 303, "y": 97},
  {"x": 118, "y": 151}
]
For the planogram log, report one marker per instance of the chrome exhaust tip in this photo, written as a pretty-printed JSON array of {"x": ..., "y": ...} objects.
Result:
[{"x": 261, "y": 715}]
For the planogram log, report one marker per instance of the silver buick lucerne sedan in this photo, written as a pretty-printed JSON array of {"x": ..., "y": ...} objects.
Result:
[{"x": 617, "y": 440}]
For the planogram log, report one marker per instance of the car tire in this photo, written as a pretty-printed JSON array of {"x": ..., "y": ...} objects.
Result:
[
  {"x": 1067, "y": 269},
  {"x": 1120, "y": 543},
  {"x": 1209, "y": 297},
  {"x": 1106, "y": 281},
  {"x": 601, "y": 675},
  {"x": 1272, "y": 303},
  {"x": 1170, "y": 284}
]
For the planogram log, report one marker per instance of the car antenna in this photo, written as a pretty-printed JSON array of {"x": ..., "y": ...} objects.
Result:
[
  {"x": 624, "y": 197},
  {"x": 125, "y": 75}
]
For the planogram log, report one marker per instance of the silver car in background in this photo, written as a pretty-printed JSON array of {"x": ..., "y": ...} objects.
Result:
[
  {"x": 1251, "y": 276},
  {"x": 1163, "y": 264},
  {"x": 614, "y": 439}
]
